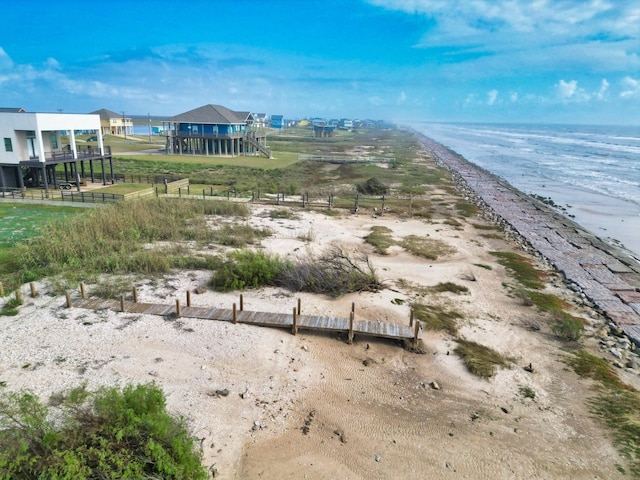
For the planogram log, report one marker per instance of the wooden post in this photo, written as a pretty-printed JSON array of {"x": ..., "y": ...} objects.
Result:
[
  {"x": 33, "y": 289},
  {"x": 1, "y": 290},
  {"x": 135, "y": 295},
  {"x": 382, "y": 208},
  {"x": 241, "y": 303},
  {"x": 68, "y": 296},
  {"x": 83, "y": 291},
  {"x": 415, "y": 334},
  {"x": 188, "y": 298},
  {"x": 411, "y": 318},
  {"x": 19, "y": 295},
  {"x": 235, "y": 314},
  {"x": 177, "y": 308},
  {"x": 299, "y": 306},
  {"x": 350, "y": 338},
  {"x": 294, "y": 328},
  {"x": 353, "y": 308},
  {"x": 122, "y": 303}
]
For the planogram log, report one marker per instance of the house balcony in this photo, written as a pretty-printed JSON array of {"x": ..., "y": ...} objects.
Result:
[
  {"x": 209, "y": 135},
  {"x": 66, "y": 156}
]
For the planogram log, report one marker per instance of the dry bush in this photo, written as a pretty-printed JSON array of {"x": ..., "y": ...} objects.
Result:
[{"x": 336, "y": 272}]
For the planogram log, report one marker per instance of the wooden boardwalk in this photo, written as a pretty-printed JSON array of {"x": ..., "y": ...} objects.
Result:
[{"x": 293, "y": 321}]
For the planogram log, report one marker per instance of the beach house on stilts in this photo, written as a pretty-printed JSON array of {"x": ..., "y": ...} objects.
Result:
[
  {"x": 214, "y": 130},
  {"x": 43, "y": 150}
]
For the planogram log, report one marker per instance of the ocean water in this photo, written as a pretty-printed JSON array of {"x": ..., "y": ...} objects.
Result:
[{"x": 591, "y": 172}]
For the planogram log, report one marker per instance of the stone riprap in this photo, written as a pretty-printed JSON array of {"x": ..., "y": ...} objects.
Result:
[{"x": 608, "y": 276}]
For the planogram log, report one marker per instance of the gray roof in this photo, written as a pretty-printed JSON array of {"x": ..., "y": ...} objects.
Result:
[
  {"x": 106, "y": 114},
  {"x": 216, "y": 114},
  {"x": 12, "y": 110}
]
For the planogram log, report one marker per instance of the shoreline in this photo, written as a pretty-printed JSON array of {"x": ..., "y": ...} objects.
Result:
[{"x": 606, "y": 275}]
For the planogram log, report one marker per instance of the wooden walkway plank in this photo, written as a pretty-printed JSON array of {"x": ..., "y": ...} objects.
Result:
[{"x": 265, "y": 319}]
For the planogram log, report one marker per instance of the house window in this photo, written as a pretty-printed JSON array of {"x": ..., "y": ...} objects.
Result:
[
  {"x": 7, "y": 145},
  {"x": 54, "y": 141}
]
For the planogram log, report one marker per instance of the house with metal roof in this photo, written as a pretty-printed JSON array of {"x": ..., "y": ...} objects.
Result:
[
  {"x": 32, "y": 152},
  {"x": 214, "y": 130}
]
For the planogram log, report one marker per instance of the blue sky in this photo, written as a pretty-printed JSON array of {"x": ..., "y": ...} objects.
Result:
[{"x": 560, "y": 61}]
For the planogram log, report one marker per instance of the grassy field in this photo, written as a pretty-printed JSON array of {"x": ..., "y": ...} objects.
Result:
[{"x": 20, "y": 222}]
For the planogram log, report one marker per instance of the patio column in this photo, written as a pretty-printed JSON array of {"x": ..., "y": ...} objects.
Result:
[{"x": 72, "y": 139}]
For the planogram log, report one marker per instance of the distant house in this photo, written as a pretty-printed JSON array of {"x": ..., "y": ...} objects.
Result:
[
  {"x": 214, "y": 130},
  {"x": 112, "y": 123},
  {"x": 277, "y": 121},
  {"x": 345, "y": 124},
  {"x": 260, "y": 120},
  {"x": 32, "y": 149}
]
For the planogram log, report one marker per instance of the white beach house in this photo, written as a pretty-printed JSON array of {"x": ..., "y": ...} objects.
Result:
[{"x": 32, "y": 152}]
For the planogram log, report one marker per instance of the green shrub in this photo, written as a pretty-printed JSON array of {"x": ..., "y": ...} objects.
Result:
[
  {"x": 10, "y": 308},
  {"x": 247, "y": 269},
  {"x": 111, "y": 433},
  {"x": 373, "y": 186},
  {"x": 568, "y": 328}
]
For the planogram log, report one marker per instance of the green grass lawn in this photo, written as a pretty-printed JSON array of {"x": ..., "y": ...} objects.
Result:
[
  {"x": 19, "y": 221},
  {"x": 122, "y": 188}
]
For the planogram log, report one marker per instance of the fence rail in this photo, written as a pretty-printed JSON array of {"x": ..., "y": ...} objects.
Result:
[{"x": 90, "y": 197}]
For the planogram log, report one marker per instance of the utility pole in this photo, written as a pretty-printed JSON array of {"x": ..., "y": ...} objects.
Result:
[{"x": 124, "y": 126}]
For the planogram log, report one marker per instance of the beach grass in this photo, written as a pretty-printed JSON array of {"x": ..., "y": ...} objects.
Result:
[
  {"x": 436, "y": 318},
  {"x": 480, "y": 359},
  {"x": 381, "y": 239},
  {"x": 429, "y": 248},
  {"x": 615, "y": 403},
  {"x": 522, "y": 269}
]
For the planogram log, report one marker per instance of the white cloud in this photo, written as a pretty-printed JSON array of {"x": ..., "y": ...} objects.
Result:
[
  {"x": 5, "y": 60},
  {"x": 513, "y": 96},
  {"x": 492, "y": 95},
  {"x": 604, "y": 87},
  {"x": 402, "y": 97},
  {"x": 570, "y": 92},
  {"x": 631, "y": 87}
]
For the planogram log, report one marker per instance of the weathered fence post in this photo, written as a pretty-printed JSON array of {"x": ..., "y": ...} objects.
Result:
[
  {"x": 135, "y": 295},
  {"x": 299, "y": 306},
  {"x": 411, "y": 314},
  {"x": 83, "y": 292},
  {"x": 241, "y": 303},
  {"x": 32, "y": 285},
  {"x": 1, "y": 290},
  {"x": 416, "y": 331},
  {"x": 177, "y": 308},
  {"x": 188, "y": 298},
  {"x": 235, "y": 314},
  {"x": 350, "y": 337},
  {"x": 353, "y": 308},
  {"x": 294, "y": 327},
  {"x": 382, "y": 208},
  {"x": 122, "y": 303},
  {"x": 68, "y": 297}
]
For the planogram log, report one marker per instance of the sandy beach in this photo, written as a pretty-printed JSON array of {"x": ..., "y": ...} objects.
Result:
[{"x": 371, "y": 409}]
